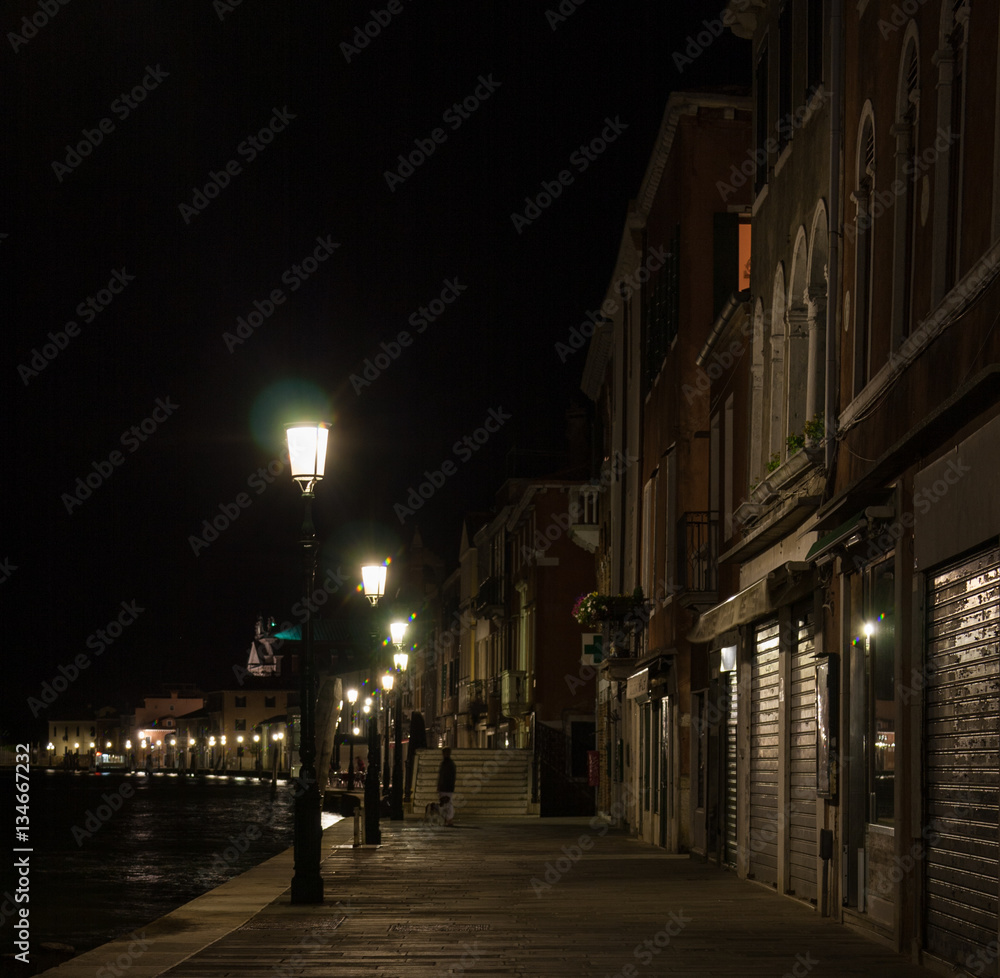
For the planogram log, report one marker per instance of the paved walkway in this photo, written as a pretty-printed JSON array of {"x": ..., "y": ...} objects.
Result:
[{"x": 544, "y": 898}]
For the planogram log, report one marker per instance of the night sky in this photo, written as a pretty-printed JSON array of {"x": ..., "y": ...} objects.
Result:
[{"x": 208, "y": 231}]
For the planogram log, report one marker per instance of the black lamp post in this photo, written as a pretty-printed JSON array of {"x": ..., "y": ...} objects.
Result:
[
  {"x": 307, "y": 459},
  {"x": 373, "y": 583},
  {"x": 400, "y": 658}
]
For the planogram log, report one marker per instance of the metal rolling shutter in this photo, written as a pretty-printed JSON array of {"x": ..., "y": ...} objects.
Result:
[
  {"x": 962, "y": 773},
  {"x": 802, "y": 851},
  {"x": 764, "y": 756},
  {"x": 729, "y": 746}
]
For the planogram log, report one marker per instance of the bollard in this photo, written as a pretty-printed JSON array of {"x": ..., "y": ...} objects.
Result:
[{"x": 359, "y": 814}]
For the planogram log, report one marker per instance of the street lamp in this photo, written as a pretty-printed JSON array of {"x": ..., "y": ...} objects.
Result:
[
  {"x": 397, "y": 630},
  {"x": 352, "y": 698},
  {"x": 387, "y": 681},
  {"x": 307, "y": 444},
  {"x": 373, "y": 581}
]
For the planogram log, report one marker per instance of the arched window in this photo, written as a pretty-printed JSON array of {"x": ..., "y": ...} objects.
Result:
[
  {"x": 757, "y": 467},
  {"x": 907, "y": 174},
  {"x": 797, "y": 341},
  {"x": 815, "y": 299},
  {"x": 951, "y": 59},
  {"x": 864, "y": 232},
  {"x": 776, "y": 371}
]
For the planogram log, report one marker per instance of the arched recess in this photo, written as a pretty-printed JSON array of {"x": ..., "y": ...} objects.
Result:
[
  {"x": 907, "y": 173},
  {"x": 758, "y": 469},
  {"x": 951, "y": 57},
  {"x": 775, "y": 348},
  {"x": 863, "y": 233},
  {"x": 797, "y": 340},
  {"x": 816, "y": 296}
]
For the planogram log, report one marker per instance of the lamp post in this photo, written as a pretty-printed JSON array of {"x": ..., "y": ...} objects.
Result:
[
  {"x": 352, "y": 698},
  {"x": 307, "y": 458},
  {"x": 239, "y": 750},
  {"x": 387, "y": 681},
  {"x": 373, "y": 583},
  {"x": 397, "y": 630}
]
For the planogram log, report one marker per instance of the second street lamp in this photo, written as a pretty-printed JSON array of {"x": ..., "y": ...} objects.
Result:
[{"x": 398, "y": 629}]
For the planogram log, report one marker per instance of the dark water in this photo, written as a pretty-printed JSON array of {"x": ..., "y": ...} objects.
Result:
[{"x": 154, "y": 843}]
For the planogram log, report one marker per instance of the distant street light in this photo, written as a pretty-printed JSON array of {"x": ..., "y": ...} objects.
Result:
[
  {"x": 307, "y": 443},
  {"x": 397, "y": 630}
]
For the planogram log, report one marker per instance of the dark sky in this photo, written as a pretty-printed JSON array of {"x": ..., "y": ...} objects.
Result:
[{"x": 168, "y": 165}]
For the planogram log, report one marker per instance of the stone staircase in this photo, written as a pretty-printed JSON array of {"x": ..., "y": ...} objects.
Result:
[{"x": 489, "y": 782}]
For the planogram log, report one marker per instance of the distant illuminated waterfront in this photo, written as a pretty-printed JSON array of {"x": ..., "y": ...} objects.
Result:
[{"x": 114, "y": 851}]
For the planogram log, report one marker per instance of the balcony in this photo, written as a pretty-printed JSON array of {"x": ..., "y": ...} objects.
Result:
[
  {"x": 514, "y": 695},
  {"x": 698, "y": 558},
  {"x": 472, "y": 697},
  {"x": 489, "y": 601}
]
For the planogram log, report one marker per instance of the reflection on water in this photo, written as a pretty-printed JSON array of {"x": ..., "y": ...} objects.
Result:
[{"x": 114, "y": 851}]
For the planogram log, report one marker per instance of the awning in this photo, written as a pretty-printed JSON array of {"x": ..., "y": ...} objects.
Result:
[
  {"x": 842, "y": 534},
  {"x": 750, "y": 603}
]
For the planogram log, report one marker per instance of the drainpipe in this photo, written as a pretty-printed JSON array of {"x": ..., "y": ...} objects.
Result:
[{"x": 833, "y": 274}]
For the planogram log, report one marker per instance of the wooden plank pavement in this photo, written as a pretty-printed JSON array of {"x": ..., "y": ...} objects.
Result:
[{"x": 534, "y": 897}]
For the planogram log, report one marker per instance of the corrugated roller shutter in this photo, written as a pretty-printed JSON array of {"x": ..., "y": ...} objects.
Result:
[
  {"x": 764, "y": 756},
  {"x": 962, "y": 766},
  {"x": 802, "y": 849},
  {"x": 729, "y": 802}
]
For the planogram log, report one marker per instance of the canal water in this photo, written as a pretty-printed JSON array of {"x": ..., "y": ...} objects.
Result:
[{"x": 114, "y": 851}]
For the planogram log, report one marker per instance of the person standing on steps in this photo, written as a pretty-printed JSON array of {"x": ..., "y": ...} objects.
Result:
[{"x": 446, "y": 786}]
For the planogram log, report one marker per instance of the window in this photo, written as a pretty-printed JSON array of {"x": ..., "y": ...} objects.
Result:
[
  {"x": 907, "y": 172},
  {"x": 785, "y": 127},
  {"x": 761, "y": 118},
  {"x": 240, "y": 725},
  {"x": 957, "y": 41},
  {"x": 648, "y": 538},
  {"x": 270, "y": 701},
  {"x": 814, "y": 47},
  {"x": 663, "y": 310},
  {"x": 241, "y": 701},
  {"x": 864, "y": 231}
]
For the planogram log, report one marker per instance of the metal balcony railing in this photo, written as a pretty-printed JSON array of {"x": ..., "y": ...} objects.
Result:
[{"x": 698, "y": 551}]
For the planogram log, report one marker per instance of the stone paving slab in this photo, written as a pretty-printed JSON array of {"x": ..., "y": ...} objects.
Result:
[{"x": 544, "y": 898}]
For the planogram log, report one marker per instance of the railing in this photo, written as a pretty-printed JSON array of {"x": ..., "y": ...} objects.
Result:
[
  {"x": 470, "y": 693},
  {"x": 514, "y": 698},
  {"x": 489, "y": 598},
  {"x": 698, "y": 551}
]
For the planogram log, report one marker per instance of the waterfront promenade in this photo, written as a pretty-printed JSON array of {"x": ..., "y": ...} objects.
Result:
[{"x": 533, "y": 897}]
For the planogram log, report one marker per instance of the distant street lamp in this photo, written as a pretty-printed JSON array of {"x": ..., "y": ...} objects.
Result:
[
  {"x": 352, "y": 698},
  {"x": 239, "y": 750},
  {"x": 397, "y": 630},
  {"x": 307, "y": 444}
]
